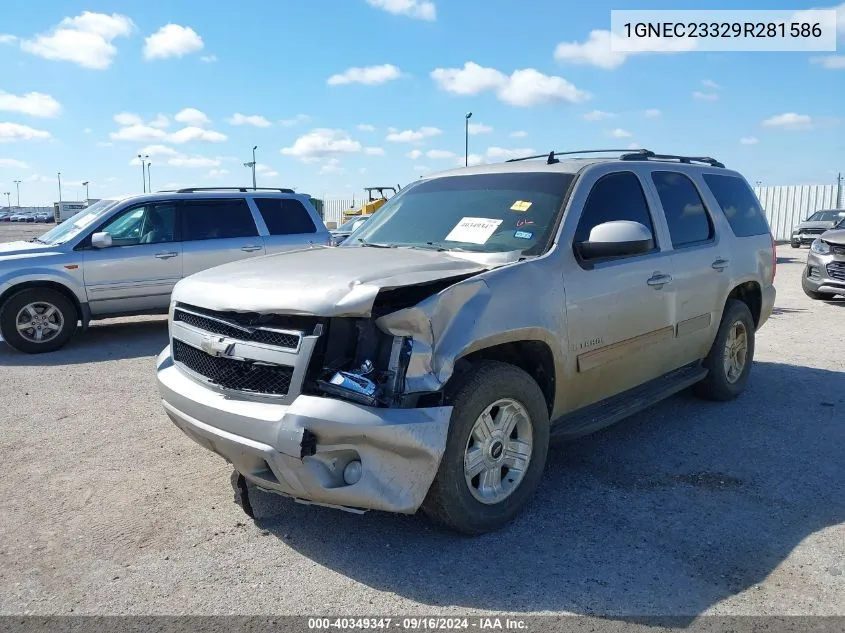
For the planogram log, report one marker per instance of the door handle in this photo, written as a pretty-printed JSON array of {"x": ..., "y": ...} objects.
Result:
[
  {"x": 251, "y": 248},
  {"x": 720, "y": 264},
  {"x": 658, "y": 281},
  {"x": 166, "y": 255}
]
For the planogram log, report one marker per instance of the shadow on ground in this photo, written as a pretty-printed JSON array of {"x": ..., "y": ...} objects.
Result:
[
  {"x": 667, "y": 513},
  {"x": 103, "y": 341}
]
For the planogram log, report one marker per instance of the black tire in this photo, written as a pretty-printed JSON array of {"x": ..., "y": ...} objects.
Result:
[
  {"x": 795, "y": 244},
  {"x": 816, "y": 296},
  {"x": 449, "y": 501},
  {"x": 717, "y": 385},
  {"x": 9, "y": 312}
]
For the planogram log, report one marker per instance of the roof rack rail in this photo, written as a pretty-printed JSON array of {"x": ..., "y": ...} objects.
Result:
[
  {"x": 551, "y": 160},
  {"x": 646, "y": 155},
  {"x": 238, "y": 189}
]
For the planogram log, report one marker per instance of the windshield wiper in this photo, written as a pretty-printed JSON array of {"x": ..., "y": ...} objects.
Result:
[
  {"x": 375, "y": 245},
  {"x": 39, "y": 240},
  {"x": 437, "y": 246}
]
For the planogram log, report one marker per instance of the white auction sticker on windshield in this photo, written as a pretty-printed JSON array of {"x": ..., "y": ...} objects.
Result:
[{"x": 473, "y": 230}]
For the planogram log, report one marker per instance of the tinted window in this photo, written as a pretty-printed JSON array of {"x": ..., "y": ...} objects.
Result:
[
  {"x": 739, "y": 204},
  {"x": 149, "y": 224},
  {"x": 614, "y": 197},
  {"x": 285, "y": 216},
  {"x": 216, "y": 219},
  {"x": 685, "y": 213}
]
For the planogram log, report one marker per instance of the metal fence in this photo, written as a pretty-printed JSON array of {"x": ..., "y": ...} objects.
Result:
[
  {"x": 787, "y": 206},
  {"x": 333, "y": 208}
]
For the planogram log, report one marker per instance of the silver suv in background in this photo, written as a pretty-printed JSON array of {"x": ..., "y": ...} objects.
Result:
[
  {"x": 809, "y": 230},
  {"x": 427, "y": 362},
  {"x": 123, "y": 256}
]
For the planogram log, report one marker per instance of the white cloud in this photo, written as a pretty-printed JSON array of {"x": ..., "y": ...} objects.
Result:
[
  {"x": 5, "y": 38},
  {"x": 366, "y": 127},
  {"x": 504, "y": 154},
  {"x": 85, "y": 40},
  {"x": 653, "y": 113},
  {"x": 831, "y": 62},
  {"x": 13, "y": 164},
  {"x": 369, "y": 76},
  {"x": 479, "y": 128},
  {"x": 158, "y": 150},
  {"x": 10, "y": 132},
  {"x": 518, "y": 134},
  {"x": 598, "y": 115},
  {"x": 192, "y": 116},
  {"x": 472, "y": 160},
  {"x": 217, "y": 173},
  {"x": 523, "y": 88},
  {"x": 210, "y": 59},
  {"x": 709, "y": 83},
  {"x": 261, "y": 168},
  {"x": 194, "y": 133},
  {"x": 620, "y": 133},
  {"x": 749, "y": 140},
  {"x": 789, "y": 121},
  {"x": 414, "y": 154},
  {"x": 418, "y": 9},
  {"x": 253, "y": 119},
  {"x": 87, "y": 130},
  {"x": 704, "y": 96},
  {"x": 596, "y": 51},
  {"x": 320, "y": 143},
  {"x": 172, "y": 40},
  {"x": 299, "y": 118},
  {"x": 128, "y": 118},
  {"x": 413, "y": 136},
  {"x": 32, "y": 103},
  {"x": 160, "y": 122},
  {"x": 374, "y": 151},
  {"x": 138, "y": 132},
  {"x": 193, "y": 161},
  {"x": 332, "y": 166},
  {"x": 440, "y": 154}
]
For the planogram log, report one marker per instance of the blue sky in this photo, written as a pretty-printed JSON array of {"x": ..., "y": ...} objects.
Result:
[{"x": 341, "y": 94}]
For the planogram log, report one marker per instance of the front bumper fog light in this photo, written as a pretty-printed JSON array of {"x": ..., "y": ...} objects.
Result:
[{"x": 352, "y": 473}]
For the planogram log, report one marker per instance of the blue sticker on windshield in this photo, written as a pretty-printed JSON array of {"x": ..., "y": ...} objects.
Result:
[{"x": 523, "y": 235}]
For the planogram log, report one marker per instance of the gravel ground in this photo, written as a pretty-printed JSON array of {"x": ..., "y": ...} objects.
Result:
[{"x": 686, "y": 509}]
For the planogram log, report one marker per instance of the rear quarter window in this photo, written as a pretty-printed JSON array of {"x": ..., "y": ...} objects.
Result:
[{"x": 739, "y": 204}]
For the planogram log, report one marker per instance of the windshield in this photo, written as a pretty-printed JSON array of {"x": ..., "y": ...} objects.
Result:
[
  {"x": 72, "y": 227},
  {"x": 824, "y": 216},
  {"x": 353, "y": 224},
  {"x": 483, "y": 213}
]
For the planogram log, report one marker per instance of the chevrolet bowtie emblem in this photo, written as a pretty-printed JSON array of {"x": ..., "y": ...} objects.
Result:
[{"x": 217, "y": 346}]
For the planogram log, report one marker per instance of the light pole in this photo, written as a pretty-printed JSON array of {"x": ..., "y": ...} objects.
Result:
[
  {"x": 8, "y": 195},
  {"x": 149, "y": 177},
  {"x": 252, "y": 166},
  {"x": 18, "y": 187},
  {"x": 143, "y": 171},
  {"x": 59, "y": 174},
  {"x": 85, "y": 184},
  {"x": 467, "y": 117}
]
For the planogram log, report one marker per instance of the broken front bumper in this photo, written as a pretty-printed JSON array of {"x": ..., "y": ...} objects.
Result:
[
  {"x": 301, "y": 450},
  {"x": 825, "y": 273}
]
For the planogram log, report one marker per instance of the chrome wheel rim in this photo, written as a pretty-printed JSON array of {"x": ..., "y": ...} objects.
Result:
[
  {"x": 498, "y": 451},
  {"x": 736, "y": 351},
  {"x": 39, "y": 322}
]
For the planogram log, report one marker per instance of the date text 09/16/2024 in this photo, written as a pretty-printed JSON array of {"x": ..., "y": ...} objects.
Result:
[{"x": 418, "y": 623}]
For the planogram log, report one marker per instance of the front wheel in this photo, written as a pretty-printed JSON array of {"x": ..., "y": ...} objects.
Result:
[
  {"x": 37, "y": 320},
  {"x": 795, "y": 244},
  {"x": 731, "y": 355},
  {"x": 496, "y": 449}
]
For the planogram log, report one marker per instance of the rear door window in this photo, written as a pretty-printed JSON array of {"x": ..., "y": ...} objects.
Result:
[
  {"x": 739, "y": 204},
  {"x": 285, "y": 216},
  {"x": 216, "y": 219}
]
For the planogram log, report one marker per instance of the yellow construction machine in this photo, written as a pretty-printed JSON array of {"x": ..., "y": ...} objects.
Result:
[{"x": 376, "y": 197}]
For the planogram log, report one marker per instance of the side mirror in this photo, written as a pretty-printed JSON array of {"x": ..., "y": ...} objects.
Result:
[
  {"x": 101, "y": 240},
  {"x": 618, "y": 238}
]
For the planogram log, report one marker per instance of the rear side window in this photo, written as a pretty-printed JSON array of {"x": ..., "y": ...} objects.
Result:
[
  {"x": 684, "y": 210},
  {"x": 285, "y": 216},
  {"x": 217, "y": 219},
  {"x": 739, "y": 204}
]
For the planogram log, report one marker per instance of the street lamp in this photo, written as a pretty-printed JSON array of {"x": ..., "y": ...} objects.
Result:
[
  {"x": 8, "y": 195},
  {"x": 143, "y": 171},
  {"x": 85, "y": 184},
  {"x": 149, "y": 177},
  {"x": 467, "y": 117},
  {"x": 18, "y": 186},
  {"x": 252, "y": 166},
  {"x": 59, "y": 174}
]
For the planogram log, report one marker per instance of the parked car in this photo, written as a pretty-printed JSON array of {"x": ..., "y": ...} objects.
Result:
[
  {"x": 824, "y": 275},
  {"x": 123, "y": 256},
  {"x": 5, "y": 215},
  {"x": 810, "y": 229},
  {"x": 345, "y": 230},
  {"x": 17, "y": 217},
  {"x": 43, "y": 216},
  {"x": 426, "y": 363}
]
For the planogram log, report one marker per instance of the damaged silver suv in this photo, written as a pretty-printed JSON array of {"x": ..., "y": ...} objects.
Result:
[{"x": 426, "y": 362}]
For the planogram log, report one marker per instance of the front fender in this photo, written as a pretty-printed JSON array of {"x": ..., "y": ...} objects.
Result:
[{"x": 72, "y": 280}]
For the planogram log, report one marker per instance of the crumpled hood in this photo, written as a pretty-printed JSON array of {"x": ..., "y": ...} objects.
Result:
[
  {"x": 21, "y": 247},
  {"x": 318, "y": 281},
  {"x": 834, "y": 237},
  {"x": 815, "y": 225}
]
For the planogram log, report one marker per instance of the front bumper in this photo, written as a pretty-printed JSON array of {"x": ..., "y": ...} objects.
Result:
[
  {"x": 805, "y": 239},
  {"x": 271, "y": 444},
  {"x": 824, "y": 273}
]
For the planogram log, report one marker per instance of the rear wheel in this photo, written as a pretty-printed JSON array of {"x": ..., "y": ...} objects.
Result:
[
  {"x": 495, "y": 452},
  {"x": 731, "y": 355},
  {"x": 38, "y": 320}
]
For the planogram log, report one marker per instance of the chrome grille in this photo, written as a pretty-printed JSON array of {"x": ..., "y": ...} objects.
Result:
[
  {"x": 836, "y": 270},
  {"x": 235, "y": 374},
  {"x": 813, "y": 231},
  {"x": 837, "y": 249},
  {"x": 266, "y": 336}
]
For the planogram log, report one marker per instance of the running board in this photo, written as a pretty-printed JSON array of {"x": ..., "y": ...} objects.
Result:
[{"x": 602, "y": 414}]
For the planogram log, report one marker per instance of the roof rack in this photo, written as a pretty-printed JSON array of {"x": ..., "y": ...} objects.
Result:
[
  {"x": 646, "y": 155},
  {"x": 551, "y": 160},
  {"x": 238, "y": 189}
]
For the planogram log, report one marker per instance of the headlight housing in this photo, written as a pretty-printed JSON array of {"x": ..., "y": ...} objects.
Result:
[{"x": 820, "y": 247}]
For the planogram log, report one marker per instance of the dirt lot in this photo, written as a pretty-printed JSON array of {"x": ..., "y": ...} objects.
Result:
[{"x": 686, "y": 509}]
